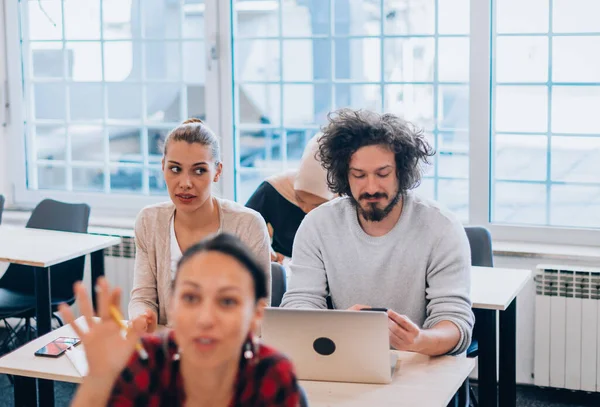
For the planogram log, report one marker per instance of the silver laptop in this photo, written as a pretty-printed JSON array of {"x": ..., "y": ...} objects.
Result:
[{"x": 339, "y": 346}]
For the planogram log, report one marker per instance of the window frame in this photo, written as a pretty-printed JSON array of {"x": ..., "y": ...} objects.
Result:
[{"x": 220, "y": 114}]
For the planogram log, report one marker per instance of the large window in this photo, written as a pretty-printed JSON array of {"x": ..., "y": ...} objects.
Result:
[
  {"x": 546, "y": 139},
  {"x": 296, "y": 60},
  {"x": 506, "y": 90},
  {"x": 104, "y": 81}
]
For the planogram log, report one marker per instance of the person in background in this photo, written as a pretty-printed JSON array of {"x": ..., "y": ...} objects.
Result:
[
  {"x": 191, "y": 164},
  {"x": 381, "y": 245},
  {"x": 284, "y": 200},
  {"x": 209, "y": 358}
]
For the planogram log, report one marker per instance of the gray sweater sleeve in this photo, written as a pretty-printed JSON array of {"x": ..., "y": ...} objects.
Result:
[
  {"x": 449, "y": 284},
  {"x": 308, "y": 282}
]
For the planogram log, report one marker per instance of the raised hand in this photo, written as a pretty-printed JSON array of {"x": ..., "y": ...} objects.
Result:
[{"x": 106, "y": 350}]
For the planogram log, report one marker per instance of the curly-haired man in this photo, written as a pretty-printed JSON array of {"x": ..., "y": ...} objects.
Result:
[{"x": 380, "y": 244}]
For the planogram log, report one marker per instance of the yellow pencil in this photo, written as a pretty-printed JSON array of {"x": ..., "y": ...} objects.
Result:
[{"x": 116, "y": 315}]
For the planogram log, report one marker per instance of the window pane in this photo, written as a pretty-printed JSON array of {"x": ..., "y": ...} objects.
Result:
[
  {"x": 520, "y": 157},
  {"x": 87, "y": 143},
  {"x": 49, "y": 101},
  {"x": 259, "y": 60},
  {"x": 85, "y": 61},
  {"x": 163, "y": 61},
  {"x": 82, "y": 19},
  {"x": 50, "y": 142},
  {"x": 521, "y": 59},
  {"x": 409, "y": 60},
  {"x": 44, "y": 19},
  {"x": 517, "y": 16},
  {"x": 119, "y": 61},
  {"x": 124, "y": 101},
  {"x": 193, "y": 21},
  {"x": 572, "y": 60},
  {"x": 124, "y": 145},
  {"x": 194, "y": 62},
  {"x": 453, "y": 155},
  {"x": 163, "y": 103},
  {"x": 454, "y": 194},
  {"x": 47, "y": 60},
  {"x": 414, "y": 17},
  {"x": 453, "y": 107},
  {"x": 86, "y": 101},
  {"x": 196, "y": 104},
  {"x": 88, "y": 179},
  {"x": 357, "y": 60},
  {"x": 357, "y": 17},
  {"x": 125, "y": 180},
  {"x": 260, "y": 149},
  {"x": 306, "y": 104},
  {"x": 156, "y": 138},
  {"x": 161, "y": 19},
  {"x": 519, "y": 203},
  {"x": 575, "y": 16},
  {"x": 259, "y": 104},
  {"x": 296, "y": 141},
  {"x": 521, "y": 108},
  {"x": 156, "y": 182},
  {"x": 427, "y": 188},
  {"x": 576, "y": 159},
  {"x": 51, "y": 177},
  {"x": 453, "y": 16},
  {"x": 120, "y": 19},
  {"x": 575, "y": 109},
  {"x": 453, "y": 59},
  {"x": 413, "y": 102},
  {"x": 299, "y": 19},
  {"x": 574, "y": 205},
  {"x": 298, "y": 56},
  {"x": 358, "y": 97}
]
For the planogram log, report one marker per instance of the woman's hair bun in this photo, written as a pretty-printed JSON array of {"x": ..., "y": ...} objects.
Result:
[{"x": 192, "y": 120}]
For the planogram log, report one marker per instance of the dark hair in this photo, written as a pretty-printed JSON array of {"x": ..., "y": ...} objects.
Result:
[
  {"x": 195, "y": 131},
  {"x": 232, "y": 246},
  {"x": 348, "y": 130}
]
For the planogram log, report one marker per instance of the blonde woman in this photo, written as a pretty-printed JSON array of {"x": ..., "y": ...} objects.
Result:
[{"x": 191, "y": 164}]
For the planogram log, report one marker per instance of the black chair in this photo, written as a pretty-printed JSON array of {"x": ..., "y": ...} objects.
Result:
[
  {"x": 1, "y": 207},
  {"x": 278, "y": 284},
  {"x": 482, "y": 255},
  {"x": 17, "y": 285}
]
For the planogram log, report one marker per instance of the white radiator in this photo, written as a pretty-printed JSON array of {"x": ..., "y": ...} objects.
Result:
[
  {"x": 567, "y": 327},
  {"x": 118, "y": 269}
]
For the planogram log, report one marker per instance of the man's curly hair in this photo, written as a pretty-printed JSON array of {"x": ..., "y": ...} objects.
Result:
[{"x": 348, "y": 130}]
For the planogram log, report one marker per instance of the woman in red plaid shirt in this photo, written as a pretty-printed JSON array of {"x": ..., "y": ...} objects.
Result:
[{"x": 210, "y": 358}]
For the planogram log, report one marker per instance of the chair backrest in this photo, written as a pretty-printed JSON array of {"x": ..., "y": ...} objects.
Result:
[
  {"x": 1, "y": 207},
  {"x": 278, "y": 284},
  {"x": 480, "y": 241},
  {"x": 59, "y": 216}
]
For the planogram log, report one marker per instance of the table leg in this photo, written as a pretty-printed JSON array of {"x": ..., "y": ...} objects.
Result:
[
  {"x": 42, "y": 295},
  {"x": 25, "y": 392},
  {"x": 507, "y": 382},
  {"x": 97, "y": 263},
  {"x": 488, "y": 392},
  {"x": 46, "y": 393},
  {"x": 43, "y": 326}
]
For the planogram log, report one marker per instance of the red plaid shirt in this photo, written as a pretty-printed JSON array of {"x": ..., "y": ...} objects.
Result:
[{"x": 269, "y": 381}]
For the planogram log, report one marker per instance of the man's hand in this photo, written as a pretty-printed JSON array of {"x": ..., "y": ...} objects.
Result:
[{"x": 404, "y": 334}]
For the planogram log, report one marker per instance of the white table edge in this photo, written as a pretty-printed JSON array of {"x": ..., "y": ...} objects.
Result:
[{"x": 504, "y": 306}]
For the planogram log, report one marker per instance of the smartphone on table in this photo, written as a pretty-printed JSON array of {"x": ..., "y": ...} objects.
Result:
[
  {"x": 57, "y": 347},
  {"x": 374, "y": 309}
]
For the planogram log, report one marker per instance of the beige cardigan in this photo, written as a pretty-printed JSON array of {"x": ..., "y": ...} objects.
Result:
[{"x": 152, "y": 273}]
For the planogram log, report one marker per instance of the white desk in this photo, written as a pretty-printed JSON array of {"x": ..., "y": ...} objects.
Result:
[
  {"x": 495, "y": 289},
  {"x": 43, "y": 249},
  {"x": 419, "y": 380}
]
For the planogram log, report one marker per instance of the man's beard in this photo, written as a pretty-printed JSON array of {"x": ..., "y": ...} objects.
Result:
[{"x": 374, "y": 213}]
